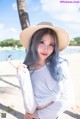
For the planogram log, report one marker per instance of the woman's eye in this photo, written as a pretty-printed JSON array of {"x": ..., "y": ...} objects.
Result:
[
  {"x": 41, "y": 42},
  {"x": 51, "y": 44}
]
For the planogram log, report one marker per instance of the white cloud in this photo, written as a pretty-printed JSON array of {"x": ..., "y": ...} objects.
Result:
[
  {"x": 6, "y": 33},
  {"x": 32, "y": 6},
  {"x": 13, "y": 30},
  {"x": 73, "y": 30},
  {"x": 14, "y": 6},
  {"x": 65, "y": 15},
  {"x": 1, "y": 31},
  {"x": 35, "y": 8},
  {"x": 68, "y": 12},
  {"x": 1, "y": 26}
]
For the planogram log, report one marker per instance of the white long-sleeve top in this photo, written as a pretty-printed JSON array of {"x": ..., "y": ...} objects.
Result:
[
  {"x": 46, "y": 89},
  {"x": 27, "y": 91},
  {"x": 39, "y": 88}
]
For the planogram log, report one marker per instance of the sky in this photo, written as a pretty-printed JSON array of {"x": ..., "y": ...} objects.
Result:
[{"x": 62, "y": 13}]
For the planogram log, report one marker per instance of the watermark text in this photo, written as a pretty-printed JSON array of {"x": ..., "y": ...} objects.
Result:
[{"x": 69, "y": 1}]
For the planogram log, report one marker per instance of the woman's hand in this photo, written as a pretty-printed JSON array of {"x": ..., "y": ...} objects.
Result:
[
  {"x": 22, "y": 67},
  {"x": 31, "y": 116}
]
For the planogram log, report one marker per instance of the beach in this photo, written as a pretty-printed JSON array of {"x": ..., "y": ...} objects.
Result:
[{"x": 11, "y": 100}]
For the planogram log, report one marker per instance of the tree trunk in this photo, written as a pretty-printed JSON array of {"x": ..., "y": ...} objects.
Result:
[{"x": 23, "y": 14}]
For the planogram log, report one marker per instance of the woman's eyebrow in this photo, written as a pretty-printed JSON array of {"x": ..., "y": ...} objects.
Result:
[
  {"x": 45, "y": 40},
  {"x": 52, "y": 42}
]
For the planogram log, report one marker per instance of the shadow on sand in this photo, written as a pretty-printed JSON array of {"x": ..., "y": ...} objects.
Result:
[
  {"x": 11, "y": 111},
  {"x": 74, "y": 115},
  {"x": 1, "y": 79}
]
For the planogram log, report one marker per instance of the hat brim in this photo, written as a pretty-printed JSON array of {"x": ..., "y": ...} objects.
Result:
[{"x": 26, "y": 34}]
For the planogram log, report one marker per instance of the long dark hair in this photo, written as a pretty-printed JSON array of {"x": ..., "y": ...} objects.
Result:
[{"x": 52, "y": 61}]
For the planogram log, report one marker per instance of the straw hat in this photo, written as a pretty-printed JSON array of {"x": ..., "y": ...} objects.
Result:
[{"x": 26, "y": 34}]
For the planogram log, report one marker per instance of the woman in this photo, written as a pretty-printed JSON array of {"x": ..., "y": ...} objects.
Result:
[{"x": 48, "y": 72}]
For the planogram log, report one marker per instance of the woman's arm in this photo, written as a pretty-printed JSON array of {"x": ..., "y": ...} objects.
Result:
[{"x": 26, "y": 87}]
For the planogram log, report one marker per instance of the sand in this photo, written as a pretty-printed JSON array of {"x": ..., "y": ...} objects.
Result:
[{"x": 11, "y": 100}]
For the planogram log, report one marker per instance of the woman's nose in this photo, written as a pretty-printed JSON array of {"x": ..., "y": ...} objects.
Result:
[{"x": 46, "y": 48}]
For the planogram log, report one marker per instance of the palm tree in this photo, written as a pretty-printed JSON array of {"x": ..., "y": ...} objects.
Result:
[{"x": 23, "y": 14}]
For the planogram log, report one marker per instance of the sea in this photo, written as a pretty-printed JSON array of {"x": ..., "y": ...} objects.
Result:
[{"x": 18, "y": 54}]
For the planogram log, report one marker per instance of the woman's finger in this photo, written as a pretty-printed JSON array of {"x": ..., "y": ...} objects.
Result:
[
  {"x": 28, "y": 116},
  {"x": 31, "y": 116},
  {"x": 21, "y": 67}
]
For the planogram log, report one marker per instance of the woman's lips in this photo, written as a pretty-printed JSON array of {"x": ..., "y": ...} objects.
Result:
[{"x": 44, "y": 54}]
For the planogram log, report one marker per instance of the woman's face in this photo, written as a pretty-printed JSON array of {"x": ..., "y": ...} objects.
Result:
[{"x": 45, "y": 47}]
